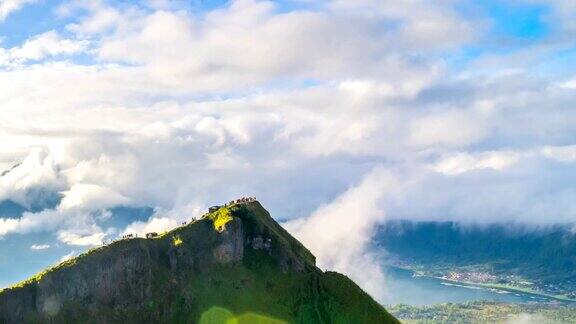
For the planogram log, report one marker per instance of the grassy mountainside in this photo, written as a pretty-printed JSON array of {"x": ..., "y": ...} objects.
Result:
[{"x": 235, "y": 265}]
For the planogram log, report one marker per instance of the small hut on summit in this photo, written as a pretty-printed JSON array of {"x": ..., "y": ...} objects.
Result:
[{"x": 151, "y": 235}]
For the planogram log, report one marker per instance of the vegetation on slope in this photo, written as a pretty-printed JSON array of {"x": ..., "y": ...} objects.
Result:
[
  {"x": 485, "y": 312},
  {"x": 176, "y": 278},
  {"x": 220, "y": 218}
]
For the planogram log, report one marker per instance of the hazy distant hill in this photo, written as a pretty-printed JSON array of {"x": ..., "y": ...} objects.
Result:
[
  {"x": 545, "y": 253},
  {"x": 236, "y": 264}
]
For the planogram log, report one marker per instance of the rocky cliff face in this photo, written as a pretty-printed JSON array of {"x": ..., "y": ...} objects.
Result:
[
  {"x": 251, "y": 266},
  {"x": 231, "y": 249}
]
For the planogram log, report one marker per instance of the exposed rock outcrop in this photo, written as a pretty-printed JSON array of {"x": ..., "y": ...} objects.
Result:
[
  {"x": 232, "y": 247},
  {"x": 177, "y": 276}
]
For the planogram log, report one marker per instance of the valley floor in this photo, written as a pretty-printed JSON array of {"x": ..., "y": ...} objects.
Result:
[{"x": 485, "y": 312}]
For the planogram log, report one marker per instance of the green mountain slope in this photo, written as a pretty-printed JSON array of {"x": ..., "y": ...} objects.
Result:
[{"x": 235, "y": 265}]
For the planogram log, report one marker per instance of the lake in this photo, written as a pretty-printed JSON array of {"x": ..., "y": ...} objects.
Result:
[{"x": 405, "y": 288}]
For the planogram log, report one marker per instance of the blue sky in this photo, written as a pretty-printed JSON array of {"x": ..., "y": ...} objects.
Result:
[
  {"x": 140, "y": 114},
  {"x": 519, "y": 21},
  {"x": 507, "y": 26}
]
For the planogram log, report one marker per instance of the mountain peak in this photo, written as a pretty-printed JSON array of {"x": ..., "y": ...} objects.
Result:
[{"x": 235, "y": 258}]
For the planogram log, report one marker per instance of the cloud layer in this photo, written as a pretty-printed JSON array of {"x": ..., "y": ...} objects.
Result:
[
  {"x": 331, "y": 112},
  {"x": 9, "y": 6},
  {"x": 339, "y": 233}
]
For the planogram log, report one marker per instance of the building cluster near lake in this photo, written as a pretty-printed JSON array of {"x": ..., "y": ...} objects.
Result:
[
  {"x": 480, "y": 275},
  {"x": 477, "y": 277}
]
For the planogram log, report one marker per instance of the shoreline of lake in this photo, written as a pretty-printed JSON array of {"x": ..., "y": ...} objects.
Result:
[{"x": 415, "y": 288}]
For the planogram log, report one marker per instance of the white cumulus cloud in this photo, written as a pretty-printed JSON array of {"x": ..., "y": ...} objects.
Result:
[
  {"x": 40, "y": 247},
  {"x": 339, "y": 233},
  {"x": 9, "y": 6}
]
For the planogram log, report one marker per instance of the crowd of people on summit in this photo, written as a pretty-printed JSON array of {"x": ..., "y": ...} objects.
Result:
[
  {"x": 211, "y": 209},
  {"x": 241, "y": 200}
]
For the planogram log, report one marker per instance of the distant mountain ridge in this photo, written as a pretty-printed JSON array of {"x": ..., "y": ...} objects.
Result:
[
  {"x": 547, "y": 254},
  {"x": 235, "y": 264}
]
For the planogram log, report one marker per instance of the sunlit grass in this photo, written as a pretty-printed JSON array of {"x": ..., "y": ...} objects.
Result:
[
  {"x": 217, "y": 315},
  {"x": 37, "y": 277},
  {"x": 220, "y": 315},
  {"x": 220, "y": 218},
  {"x": 176, "y": 240},
  {"x": 251, "y": 318}
]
